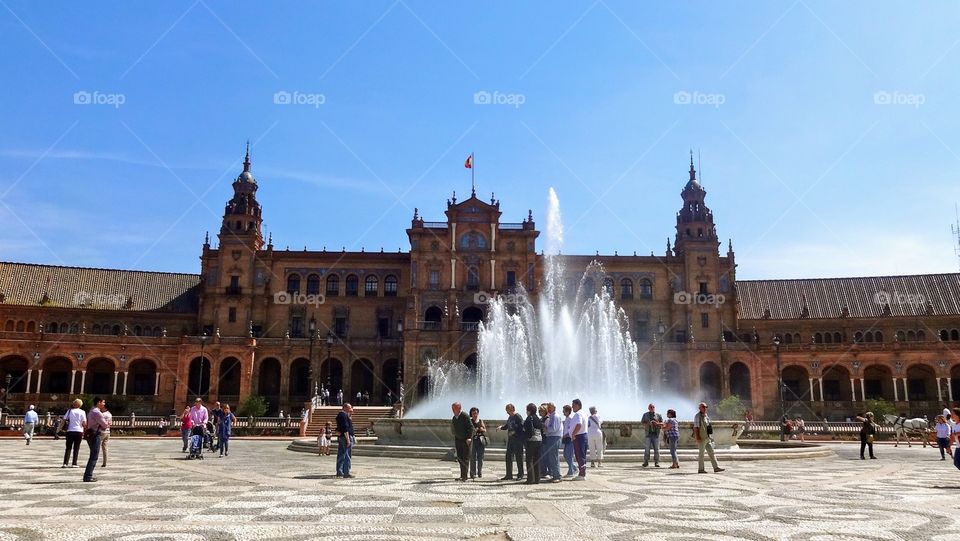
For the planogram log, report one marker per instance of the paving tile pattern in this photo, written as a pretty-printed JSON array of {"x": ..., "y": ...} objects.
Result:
[{"x": 264, "y": 492}]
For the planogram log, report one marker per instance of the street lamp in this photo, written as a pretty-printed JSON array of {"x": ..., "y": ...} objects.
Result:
[
  {"x": 313, "y": 381},
  {"x": 330, "y": 340},
  {"x": 203, "y": 342},
  {"x": 776, "y": 344}
]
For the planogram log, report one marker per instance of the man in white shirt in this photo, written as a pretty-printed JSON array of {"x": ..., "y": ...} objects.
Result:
[
  {"x": 30, "y": 420},
  {"x": 579, "y": 434},
  {"x": 702, "y": 432},
  {"x": 553, "y": 432}
]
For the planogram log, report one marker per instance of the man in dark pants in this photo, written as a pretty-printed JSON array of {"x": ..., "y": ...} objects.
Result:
[
  {"x": 515, "y": 441},
  {"x": 345, "y": 441},
  {"x": 462, "y": 436},
  {"x": 96, "y": 424}
]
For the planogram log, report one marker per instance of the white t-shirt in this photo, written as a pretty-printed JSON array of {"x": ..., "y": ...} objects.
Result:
[
  {"x": 956, "y": 429},
  {"x": 75, "y": 419},
  {"x": 577, "y": 418},
  {"x": 594, "y": 425}
]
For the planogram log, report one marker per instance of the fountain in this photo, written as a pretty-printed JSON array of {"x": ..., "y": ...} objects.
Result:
[{"x": 575, "y": 343}]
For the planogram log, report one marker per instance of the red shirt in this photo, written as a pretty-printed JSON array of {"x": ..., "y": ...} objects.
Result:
[{"x": 185, "y": 422}]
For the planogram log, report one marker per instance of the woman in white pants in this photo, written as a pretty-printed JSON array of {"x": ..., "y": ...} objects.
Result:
[{"x": 595, "y": 438}]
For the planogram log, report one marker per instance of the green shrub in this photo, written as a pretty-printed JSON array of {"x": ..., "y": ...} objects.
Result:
[
  {"x": 879, "y": 407},
  {"x": 253, "y": 406},
  {"x": 731, "y": 408}
]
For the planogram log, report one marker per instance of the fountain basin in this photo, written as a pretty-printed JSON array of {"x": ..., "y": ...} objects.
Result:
[{"x": 618, "y": 434}]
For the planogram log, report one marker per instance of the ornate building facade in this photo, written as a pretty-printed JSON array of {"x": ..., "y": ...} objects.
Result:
[{"x": 284, "y": 324}]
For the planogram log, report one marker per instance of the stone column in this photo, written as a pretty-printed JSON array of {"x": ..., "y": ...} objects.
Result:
[
  {"x": 156, "y": 385},
  {"x": 949, "y": 389},
  {"x": 896, "y": 393},
  {"x": 39, "y": 378},
  {"x": 115, "y": 376},
  {"x": 853, "y": 389},
  {"x": 812, "y": 396},
  {"x": 126, "y": 377},
  {"x": 73, "y": 380},
  {"x": 453, "y": 273},
  {"x": 493, "y": 271},
  {"x": 939, "y": 391},
  {"x": 863, "y": 390},
  {"x": 83, "y": 381},
  {"x": 906, "y": 397},
  {"x": 820, "y": 380},
  {"x": 30, "y": 376}
]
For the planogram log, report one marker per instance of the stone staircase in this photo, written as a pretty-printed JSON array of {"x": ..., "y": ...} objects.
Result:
[{"x": 362, "y": 415}]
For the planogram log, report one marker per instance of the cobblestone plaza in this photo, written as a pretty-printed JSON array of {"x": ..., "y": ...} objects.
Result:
[{"x": 263, "y": 491}]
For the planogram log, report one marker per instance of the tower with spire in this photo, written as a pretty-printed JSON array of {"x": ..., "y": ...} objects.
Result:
[
  {"x": 242, "y": 218},
  {"x": 695, "y": 227}
]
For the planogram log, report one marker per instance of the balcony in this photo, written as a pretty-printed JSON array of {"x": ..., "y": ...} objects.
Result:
[
  {"x": 429, "y": 325},
  {"x": 469, "y": 326},
  {"x": 233, "y": 290}
]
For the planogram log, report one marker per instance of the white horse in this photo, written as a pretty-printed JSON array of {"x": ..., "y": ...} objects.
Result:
[{"x": 902, "y": 426}]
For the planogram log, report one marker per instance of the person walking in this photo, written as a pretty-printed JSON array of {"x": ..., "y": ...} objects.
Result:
[
  {"x": 652, "y": 423},
  {"x": 96, "y": 424},
  {"x": 463, "y": 433},
  {"x": 578, "y": 433},
  {"x": 595, "y": 441},
  {"x": 30, "y": 420},
  {"x": 956, "y": 436},
  {"x": 105, "y": 434},
  {"x": 216, "y": 415},
  {"x": 566, "y": 440},
  {"x": 345, "y": 441},
  {"x": 225, "y": 430},
  {"x": 552, "y": 435},
  {"x": 799, "y": 427},
  {"x": 515, "y": 442},
  {"x": 199, "y": 416},
  {"x": 340, "y": 397},
  {"x": 533, "y": 430},
  {"x": 703, "y": 432},
  {"x": 76, "y": 421},
  {"x": 479, "y": 445},
  {"x": 185, "y": 425},
  {"x": 672, "y": 429},
  {"x": 868, "y": 432},
  {"x": 943, "y": 436}
]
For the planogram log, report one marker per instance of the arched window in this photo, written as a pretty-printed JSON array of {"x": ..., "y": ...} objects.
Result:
[
  {"x": 868, "y": 337},
  {"x": 646, "y": 289},
  {"x": 390, "y": 286},
  {"x": 115, "y": 330},
  {"x": 293, "y": 284},
  {"x": 333, "y": 285},
  {"x": 878, "y": 336},
  {"x": 371, "y": 286},
  {"x": 626, "y": 289},
  {"x": 608, "y": 286},
  {"x": 96, "y": 329},
  {"x": 137, "y": 331},
  {"x": 858, "y": 337},
  {"x": 921, "y": 336},
  {"x": 589, "y": 288},
  {"x": 837, "y": 338},
  {"x": 954, "y": 335},
  {"x": 353, "y": 285},
  {"x": 54, "y": 328},
  {"x": 901, "y": 336},
  {"x": 911, "y": 336},
  {"x": 313, "y": 284},
  {"x": 9, "y": 326},
  {"x": 827, "y": 338},
  {"x": 944, "y": 335},
  {"x": 21, "y": 326},
  {"x": 473, "y": 241},
  {"x": 788, "y": 338},
  {"x": 817, "y": 338}
]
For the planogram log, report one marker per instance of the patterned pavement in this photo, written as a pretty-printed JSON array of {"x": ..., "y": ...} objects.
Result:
[{"x": 264, "y": 492}]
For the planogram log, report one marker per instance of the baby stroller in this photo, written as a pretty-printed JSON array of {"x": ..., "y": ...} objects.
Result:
[
  {"x": 196, "y": 443},
  {"x": 208, "y": 436}
]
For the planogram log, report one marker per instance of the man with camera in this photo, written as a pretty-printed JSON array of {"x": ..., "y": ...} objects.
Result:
[
  {"x": 702, "y": 432},
  {"x": 652, "y": 423}
]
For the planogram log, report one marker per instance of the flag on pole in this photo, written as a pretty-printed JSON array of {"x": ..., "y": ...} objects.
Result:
[{"x": 469, "y": 163}]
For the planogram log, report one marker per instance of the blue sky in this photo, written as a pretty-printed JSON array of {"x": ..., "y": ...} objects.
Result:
[{"x": 827, "y": 131}]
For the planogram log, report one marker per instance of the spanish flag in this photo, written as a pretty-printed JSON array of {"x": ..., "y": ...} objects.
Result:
[{"x": 469, "y": 163}]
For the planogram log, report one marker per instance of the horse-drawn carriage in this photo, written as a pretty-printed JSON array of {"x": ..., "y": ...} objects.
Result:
[{"x": 916, "y": 427}]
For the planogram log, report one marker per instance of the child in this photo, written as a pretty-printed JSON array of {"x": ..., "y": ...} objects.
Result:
[
  {"x": 943, "y": 437},
  {"x": 323, "y": 440}
]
